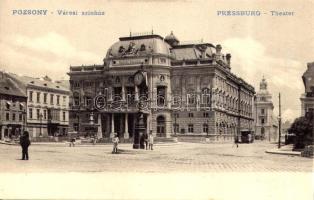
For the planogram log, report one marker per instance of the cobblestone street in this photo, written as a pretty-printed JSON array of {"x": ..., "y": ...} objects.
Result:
[
  {"x": 166, "y": 157},
  {"x": 170, "y": 171}
]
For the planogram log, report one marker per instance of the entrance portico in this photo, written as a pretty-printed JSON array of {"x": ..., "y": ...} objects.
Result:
[{"x": 123, "y": 124}]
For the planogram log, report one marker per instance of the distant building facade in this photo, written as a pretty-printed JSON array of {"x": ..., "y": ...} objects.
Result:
[
  {"x": 189, "y": 90},
  {"x": 47, "y": 106},
  {"x": 307, "y": 98},
  {"x": 266, "y": 126},
  {"x": 12, "y": 108}
]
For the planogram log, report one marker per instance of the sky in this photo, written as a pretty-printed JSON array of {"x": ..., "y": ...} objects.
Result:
[{"x": 276, "y": 47}]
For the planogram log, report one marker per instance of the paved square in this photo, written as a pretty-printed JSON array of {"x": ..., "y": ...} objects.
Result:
[{"x": 166, "y": 157}]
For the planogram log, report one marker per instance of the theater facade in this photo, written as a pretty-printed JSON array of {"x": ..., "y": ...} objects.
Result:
[{"x": 182, "y": 88}]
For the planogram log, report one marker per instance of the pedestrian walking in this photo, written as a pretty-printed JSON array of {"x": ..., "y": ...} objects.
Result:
[
  {"x": 235, "y": 142},
  {"x": 72, "y": 142},
  {"x": 115, "y": 141},
  {"x": 95, "y": 140},
  {"x": 151, "y": 141},
  {"x": 25, "y": 143}
]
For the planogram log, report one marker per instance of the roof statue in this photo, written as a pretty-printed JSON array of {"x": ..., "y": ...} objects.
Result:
[{"x": 263, "y": 84}]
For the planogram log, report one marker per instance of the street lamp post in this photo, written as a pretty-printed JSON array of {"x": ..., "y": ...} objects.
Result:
[
  {"x": 41, "y": 119},
  {"x": 279, "y": 119},
  {"x": 78, "y": 123},
  {"x": 207, "y": 122},
  {"x": 175, "y": 123}
]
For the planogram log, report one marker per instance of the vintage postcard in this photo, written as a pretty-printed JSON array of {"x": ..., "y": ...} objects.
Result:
[{"x": 156, "y": 99}]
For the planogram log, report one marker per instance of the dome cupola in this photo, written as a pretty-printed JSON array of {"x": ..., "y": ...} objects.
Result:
[{"x": 172, "y": 40}]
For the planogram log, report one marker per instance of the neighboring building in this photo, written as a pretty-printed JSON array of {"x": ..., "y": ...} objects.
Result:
[
  {"x": 12, "y": 108},
  {"x": 266, "y": 125},
  {"x": 47, "y": 106},
  {"x": 190, "y": 90},
  {"x": 307, "y": 99}
]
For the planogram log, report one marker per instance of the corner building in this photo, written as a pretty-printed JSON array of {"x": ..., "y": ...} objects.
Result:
[
  {"x": 12, "y": 108},
  {"x": 47, "y": 106},
  {"x": 307, "y": 98},
  {"x": 190, "y": 90}
]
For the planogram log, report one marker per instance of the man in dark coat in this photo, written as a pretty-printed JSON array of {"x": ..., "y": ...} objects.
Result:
[{"x": 25, "y": 142}]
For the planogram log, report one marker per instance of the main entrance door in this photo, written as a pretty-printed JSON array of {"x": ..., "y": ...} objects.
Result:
[{"x": 161, "y": 126}]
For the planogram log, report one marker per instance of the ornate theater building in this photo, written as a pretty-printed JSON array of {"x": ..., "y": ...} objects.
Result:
[{"x": 182, "y": 89}]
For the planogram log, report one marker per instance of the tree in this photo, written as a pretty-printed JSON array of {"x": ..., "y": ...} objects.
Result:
[{"x": 303, "y": 128}]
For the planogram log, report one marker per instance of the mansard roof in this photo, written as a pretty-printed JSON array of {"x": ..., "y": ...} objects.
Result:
[
  {"x": 9, "y": 87},
  {"x": 27, "y": 81},
  {"x": 141, "y": 45}
]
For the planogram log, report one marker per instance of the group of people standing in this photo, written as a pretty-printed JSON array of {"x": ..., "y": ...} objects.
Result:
[{"x": 146, "y": 142}]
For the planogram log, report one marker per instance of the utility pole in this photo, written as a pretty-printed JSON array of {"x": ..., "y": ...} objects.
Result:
[{"x": 279, "y": 118}]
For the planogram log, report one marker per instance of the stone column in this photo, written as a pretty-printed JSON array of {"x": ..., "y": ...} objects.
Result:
[
  {"x": 99, "y": 129},
  {"x": 107, "y": 117},
  {"x": 148, "y": 124},
  {"x": 110, "y": 92},
  {"x": 2, "y": 132},
  {"x": 112, "y": 126},
  {"x": 123, "y": 93},
  {"x": 136, "y": 93},
  {"x": 126, "y": 128}
]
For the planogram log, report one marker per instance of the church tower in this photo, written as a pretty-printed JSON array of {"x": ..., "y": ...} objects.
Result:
[{"x": 265, "y": 123}]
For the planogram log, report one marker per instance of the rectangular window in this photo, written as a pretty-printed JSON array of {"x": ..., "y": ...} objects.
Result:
[
  {"x": 38, "y": 113},
  {"x": 76, "y": 84},
  {"x": 75, "y": 126},
  {"x": 45, "y": 97},
  {"x": 190, "y": 128},
  {"x": 262, "y": 120},
  {"x": 30, "y": 112},
  {"x": 38, "y": 97},
  {"x": 45, "y": 114},
  {"x": 64, "y": 100},
  {"x": 205, "y": 114},
  {"x": 13, "y": 117},
  {"x": 63, "y": 116},
  {"x": 88, "y": 101},
  {"x": 263, "y": 111},
  {"x": 20, "y": 117},
  {"x": 58, "y": 100},
  {"x": 31, "y": 96},
  {"x": 76, "y": 100},
  {"x": 161, "y": 96},
  {"x": 205, "y": 128},
  {"x": 7, "y": 116},
  {"x": 191, "y": 115},
  {"x": 191, "y": 99},
  {"x": 51, "y": 99}
]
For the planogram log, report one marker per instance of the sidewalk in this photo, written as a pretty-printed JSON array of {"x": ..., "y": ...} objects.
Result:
[{"x": 284, "y": 150}]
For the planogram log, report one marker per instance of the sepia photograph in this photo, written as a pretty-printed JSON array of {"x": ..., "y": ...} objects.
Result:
[{"x": 157, "y": 99}]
